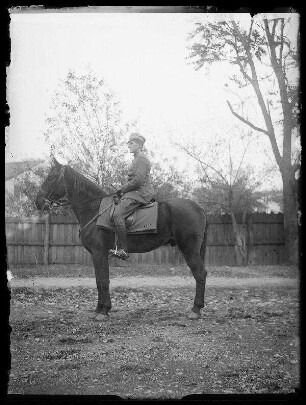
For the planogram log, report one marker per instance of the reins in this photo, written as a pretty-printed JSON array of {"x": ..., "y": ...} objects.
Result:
[
  {"x": 61, "y": 203},
  {"x": 95, "y": 217}
]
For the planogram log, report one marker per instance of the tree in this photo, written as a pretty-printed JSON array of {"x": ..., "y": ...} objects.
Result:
[
  {"x": 239, "y": 198},
  {"x": 86, "y": 128},
  {"x": 264, "y": 55},
  {"x": 168, "y": 183},
  {"x": 273, "y": 197},
  {"x": 219, "y": 196},
  {"x": 228, "y": 184}
]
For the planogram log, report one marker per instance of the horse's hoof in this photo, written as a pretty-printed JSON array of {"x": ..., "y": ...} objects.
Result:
[
  {"x": 101, "y": 318},
  {"x": 194, "y": 315}
]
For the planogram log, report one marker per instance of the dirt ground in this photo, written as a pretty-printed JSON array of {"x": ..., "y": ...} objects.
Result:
[
  {"x": 247, "y": 340},
  {"x": 136, "y": 282}
]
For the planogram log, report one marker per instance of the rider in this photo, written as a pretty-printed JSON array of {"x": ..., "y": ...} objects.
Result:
[{"x": 137, "y": 191}]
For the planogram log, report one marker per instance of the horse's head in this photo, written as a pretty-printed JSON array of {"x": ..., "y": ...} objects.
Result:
[{"x": 53, "y": 188}]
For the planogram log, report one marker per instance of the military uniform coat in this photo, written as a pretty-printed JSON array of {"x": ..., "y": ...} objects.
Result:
[{"x": 138, "y": 186}]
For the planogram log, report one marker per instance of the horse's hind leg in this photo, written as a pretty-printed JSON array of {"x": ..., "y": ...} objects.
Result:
[{"x": 195, "y": 262}]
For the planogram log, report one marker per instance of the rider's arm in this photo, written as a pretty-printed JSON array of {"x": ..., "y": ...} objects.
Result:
[{"x": 137, "y": 178}]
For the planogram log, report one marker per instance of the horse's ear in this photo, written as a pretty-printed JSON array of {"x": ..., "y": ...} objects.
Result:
[{"x": 53, "y": 160}]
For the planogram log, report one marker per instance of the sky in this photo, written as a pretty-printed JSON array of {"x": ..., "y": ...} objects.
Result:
[{"x": 142, "y": 57}]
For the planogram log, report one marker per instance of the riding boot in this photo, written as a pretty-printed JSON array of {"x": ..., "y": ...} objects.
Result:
[
  {"x": 122, "y": 235},
  {"x": 122, "y": 252}
]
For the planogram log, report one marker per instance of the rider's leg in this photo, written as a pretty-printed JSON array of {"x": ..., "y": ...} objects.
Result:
[
  {"x": 121, "y": 233},
  {"x": 122, "y": 210}
]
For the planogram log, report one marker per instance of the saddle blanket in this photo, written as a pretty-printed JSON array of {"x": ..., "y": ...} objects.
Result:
[{"x": 143, "y": 219}]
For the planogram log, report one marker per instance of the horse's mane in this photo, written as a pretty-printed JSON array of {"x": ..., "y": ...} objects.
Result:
[{"x": 83, "y": 184}]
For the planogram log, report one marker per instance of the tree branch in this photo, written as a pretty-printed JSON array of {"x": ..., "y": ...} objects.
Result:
[
  {"x": 242, "y": 158},
  {"x": 282, "y": 42},
  {"x": 257, "y": 182},
  {"x": 250, "y": 31},
  {"x": 246, "y": 121},
  {"x": 201, "y": 161},
  {"x": 255, "y": 84}
]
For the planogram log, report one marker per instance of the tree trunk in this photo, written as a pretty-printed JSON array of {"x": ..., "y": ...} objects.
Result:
[
  {"x": 290, "y": 217},
  {"x": 251, "y": 254},
  {"x": 240, "y": 246}
]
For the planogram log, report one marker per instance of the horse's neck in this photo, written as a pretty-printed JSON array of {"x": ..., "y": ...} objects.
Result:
[{"x": 84, "y": 200}]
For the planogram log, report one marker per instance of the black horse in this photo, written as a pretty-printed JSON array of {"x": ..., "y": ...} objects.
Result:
[{"x": 181, "y": 222}]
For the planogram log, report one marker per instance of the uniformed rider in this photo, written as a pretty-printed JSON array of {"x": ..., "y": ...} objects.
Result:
[{"x": 137, "y": 191}]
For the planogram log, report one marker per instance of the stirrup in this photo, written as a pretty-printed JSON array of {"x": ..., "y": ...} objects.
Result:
[{"x": 122, "y": 256}]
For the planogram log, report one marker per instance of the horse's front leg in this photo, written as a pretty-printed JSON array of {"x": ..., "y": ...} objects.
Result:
[{"x": 100, "y": 262}]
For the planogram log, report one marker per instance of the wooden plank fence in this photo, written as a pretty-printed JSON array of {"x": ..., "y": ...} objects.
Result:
[{"x": 55, "y": 240}]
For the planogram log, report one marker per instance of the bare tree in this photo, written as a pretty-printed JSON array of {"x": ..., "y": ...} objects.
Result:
[
  {"x": 167, "y": 181},
  {"x": 265, "y": 56},
  {"x": 228, "y": 183}
]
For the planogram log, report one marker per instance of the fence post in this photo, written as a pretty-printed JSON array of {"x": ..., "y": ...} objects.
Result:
[{"x": 46, "y": 241}]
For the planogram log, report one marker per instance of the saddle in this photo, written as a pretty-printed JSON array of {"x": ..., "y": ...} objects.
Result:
[{"x": 142, "y": 220}]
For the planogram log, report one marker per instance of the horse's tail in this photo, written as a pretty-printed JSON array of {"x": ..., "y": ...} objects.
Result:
[{"x": 203, "y": 245}]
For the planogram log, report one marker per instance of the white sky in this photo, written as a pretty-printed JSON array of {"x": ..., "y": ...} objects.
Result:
[{"x": 141, "y": 57}]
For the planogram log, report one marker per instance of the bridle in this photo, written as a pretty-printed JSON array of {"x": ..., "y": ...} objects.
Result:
[
  {"x": 48, "y": 194},
  {"x": 65, "y": 199},
  {"x": 48, "y": 197}
]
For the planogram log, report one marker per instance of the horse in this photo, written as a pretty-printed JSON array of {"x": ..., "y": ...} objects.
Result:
[{"x": 180, "y": 222}]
